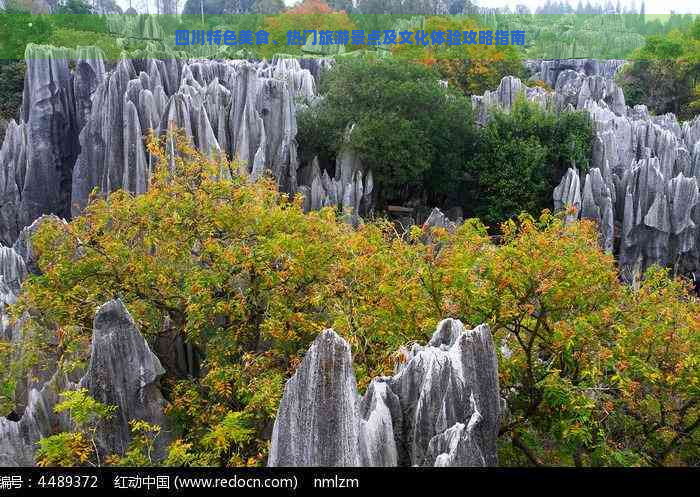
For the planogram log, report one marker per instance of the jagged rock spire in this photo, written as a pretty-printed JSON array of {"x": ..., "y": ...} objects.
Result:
[
  {"x": 441, "y": 408},
  {"x": 123, "y": 371},
  {"x": 642, "y": 186},
  {"x": 84, "y": 128}
]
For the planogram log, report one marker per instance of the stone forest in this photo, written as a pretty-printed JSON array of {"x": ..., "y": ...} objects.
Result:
[{"x": 350, "y": 261}]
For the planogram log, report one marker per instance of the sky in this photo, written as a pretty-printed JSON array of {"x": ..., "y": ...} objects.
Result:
[{"x": 651, "y": 6}]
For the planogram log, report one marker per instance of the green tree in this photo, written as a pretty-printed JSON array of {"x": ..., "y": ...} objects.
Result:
[
  {"x": 11, "y": 89},
  {"x": 413, "y": 133},
  {"x": 594, "y": 373},
  {"x": 244, "y": 275},
  {"x": 19, "y": 27},
  {"x": 520, "y": 158},
  {"x": 665, "y": 73},
  {"x": 74, "y": 7}
]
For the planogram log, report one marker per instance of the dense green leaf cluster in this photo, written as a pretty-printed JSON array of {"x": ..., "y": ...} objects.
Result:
[
  {"x": 593, "y": 372},
  {"x": 666, "y": 73},
  {"x": 521, "y": 156},
  {"x": 418, "y": 139},
  {"x": 11, "y": 88},
  {"x": 409, "y": 130}
]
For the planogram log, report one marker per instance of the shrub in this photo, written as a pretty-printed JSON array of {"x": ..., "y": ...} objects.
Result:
[
  {"x": 665, "y": 74},
  {"x": 521, "y": 156}
]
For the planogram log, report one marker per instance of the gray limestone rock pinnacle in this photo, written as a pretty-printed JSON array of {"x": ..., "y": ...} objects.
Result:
[
  {"x": 642, "y": 185},
  {"x": 441, "y": 407},
  {"x": 83, "y": 125},
  {"x": 123, "y": 372}
]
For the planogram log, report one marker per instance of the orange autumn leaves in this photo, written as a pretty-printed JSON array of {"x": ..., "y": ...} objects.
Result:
[{"x": 308, "y": 15}]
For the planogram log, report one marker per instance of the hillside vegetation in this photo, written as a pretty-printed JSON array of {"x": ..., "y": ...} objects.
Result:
[
  {"x": 419, "y": 140},
  {"x": 666, "y": 74},
  {"x": 593, "y": 372}
]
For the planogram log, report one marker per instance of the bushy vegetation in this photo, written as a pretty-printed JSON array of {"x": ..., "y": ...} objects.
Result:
[
  {"x": 11, "y": 88},
  {"x": 594, "y": 372},
  {"x": 473, "y": 69},
  {"x": 307, "y": 15},
  {"x": 521, "y": 156},
  {"x": 20, "y": 27},
  {"x": 76, "y": 447},
  {"x": 418, "y": 138},
  {"x": 666, "y": 73}
]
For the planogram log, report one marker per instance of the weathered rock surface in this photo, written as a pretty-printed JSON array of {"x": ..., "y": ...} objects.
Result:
[
  {"x": 122, "y": 372},
  {"x": 350, "y": 189},
  {"x": 438, "y": 219},
  {"x": 241, "y": 108},
  {"x": 23, "y": 243},
  {"x": 441, "y": 408},
  {"x": 18, "y": 438},
  {"x": 317, "y": 422},
  {"x": 13, "y": 271},
  {"x": 642, "y": 187},
  {"x": 549, "y": 70},
  {"x": 85, "y": 128}
]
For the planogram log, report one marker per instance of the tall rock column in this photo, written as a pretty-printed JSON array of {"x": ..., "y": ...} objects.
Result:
[
  {"x": 52, "y": 146},
  {"x": 122, "y": 372},
  {"x": 317, "y": 421}
]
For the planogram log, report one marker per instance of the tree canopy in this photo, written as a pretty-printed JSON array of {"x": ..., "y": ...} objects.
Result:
[
  {"x": 665, "y": 74},
  {"x": 408, "y": 128},
  {"x": 520, "y": 157}
]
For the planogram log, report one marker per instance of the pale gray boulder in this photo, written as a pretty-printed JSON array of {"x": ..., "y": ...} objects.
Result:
[
  {"x": 437, "y": 219},
  {"x": 23, "y": 243},
  {"x": 504, "y": 97},
  {"x": 568, "y": 194},
  {"x": 89, "y": 72},
  {"x": 18, "y": 439},
  {"x": 13, "y": 165},
  {"x": 13, "y": 272},
  {"x": 380, "y": 425},
  {"x": 549, "y": 70},
  {"x": 137, "y": 168},
  {"x": 441, "y": 408},
  {"x": 123, "y": 372},
  {"x": 597, "y": 206},
  {"x": 350, "y": 189}
]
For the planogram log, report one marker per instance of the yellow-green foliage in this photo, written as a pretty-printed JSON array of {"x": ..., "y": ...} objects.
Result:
[
  {"x": 594, "y": 373},
  {"x": 77, "y": 447}
]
